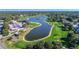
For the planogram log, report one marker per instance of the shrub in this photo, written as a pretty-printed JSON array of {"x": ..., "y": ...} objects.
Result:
[{"x": 20, "y": 44}]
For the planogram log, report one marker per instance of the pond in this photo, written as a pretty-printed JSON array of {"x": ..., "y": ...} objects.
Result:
[{"x": 41, "y": 31}]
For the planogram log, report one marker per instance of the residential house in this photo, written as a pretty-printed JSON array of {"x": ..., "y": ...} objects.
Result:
[
  {"x": 76, "y": 27},
  {"x": 1, "y": 25}
]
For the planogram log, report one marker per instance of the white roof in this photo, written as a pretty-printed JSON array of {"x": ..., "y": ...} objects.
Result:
[{"x": 1, "y": 36}]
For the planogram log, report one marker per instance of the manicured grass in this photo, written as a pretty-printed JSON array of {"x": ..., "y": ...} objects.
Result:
[
  {"x": 23, "y": 18},
  {"x": 33, "y": 24},
  {"x": 57, "y": 32},
  {"x": 20, "y": 44}
]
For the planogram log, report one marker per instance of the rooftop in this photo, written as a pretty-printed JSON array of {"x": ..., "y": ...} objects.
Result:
[{"x": 1, "y": 21}]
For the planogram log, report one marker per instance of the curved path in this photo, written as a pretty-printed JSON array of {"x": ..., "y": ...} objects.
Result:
[{"x": 41, "y": 31}]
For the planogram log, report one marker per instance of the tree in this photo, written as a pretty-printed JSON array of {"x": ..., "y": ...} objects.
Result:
[
  {"x": 35, "y": 46},
  {"x": 29, "y": 46},
  {"x": 57, "y": 44},
  {"x": 48, "y": 45},
  {"x": 5, "y": 32},
  {"x": 5, "y": 26},
  {"x": 69, "y": 19},
  {"x": 40, "y": 44},
  {"x": 70, "y": 40},
  {"x": 5, "y": 29},
  {"x": 67, "y": 27},
  {"x": 51, "y": 18}
]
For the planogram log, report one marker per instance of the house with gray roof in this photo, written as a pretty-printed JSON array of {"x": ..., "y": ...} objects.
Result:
[
  {"x": 76, "y": 27},
  {"x": 1, "y": 25}
]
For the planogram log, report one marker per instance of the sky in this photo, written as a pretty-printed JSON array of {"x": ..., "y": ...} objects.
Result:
[{"x": 39, "y": 9}]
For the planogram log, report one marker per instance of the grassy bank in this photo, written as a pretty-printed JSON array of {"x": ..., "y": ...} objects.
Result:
[{"x": 56, "y": 32}]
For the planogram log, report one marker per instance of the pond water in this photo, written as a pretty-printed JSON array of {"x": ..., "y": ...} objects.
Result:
[{"x": 38, "y": 32}]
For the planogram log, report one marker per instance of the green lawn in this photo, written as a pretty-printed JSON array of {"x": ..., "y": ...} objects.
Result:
[
  {"x": 33, "y": 24},
  {"x": 20, "y": 44},
  {"x": 57, "y": 32},
  {"x": 21, "y": 18}
]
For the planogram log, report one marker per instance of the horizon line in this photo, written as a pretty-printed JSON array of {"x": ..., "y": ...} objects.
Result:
[{"x": 39, "y": 9}]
